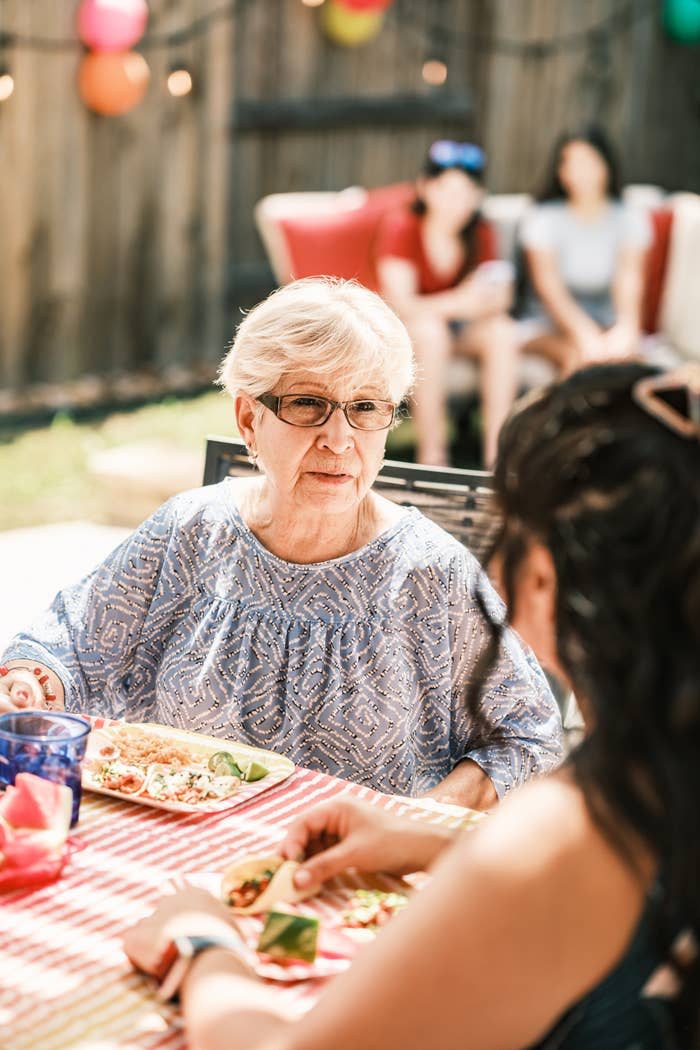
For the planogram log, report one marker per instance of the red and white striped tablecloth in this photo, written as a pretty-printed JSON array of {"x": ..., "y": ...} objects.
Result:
[{"x": 64, "y": 979}]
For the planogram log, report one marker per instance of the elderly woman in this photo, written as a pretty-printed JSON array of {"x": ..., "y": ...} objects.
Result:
[{"x": 297, "y": 610}]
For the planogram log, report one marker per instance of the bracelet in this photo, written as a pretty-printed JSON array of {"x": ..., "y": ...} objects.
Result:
[{"x": 41, "y": 677}]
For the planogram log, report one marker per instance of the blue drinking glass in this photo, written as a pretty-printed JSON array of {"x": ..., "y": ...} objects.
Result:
[{"x": 50, "y": 744}]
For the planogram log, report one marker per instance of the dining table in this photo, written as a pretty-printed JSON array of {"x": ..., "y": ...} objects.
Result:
[{"x": 65, "y": 981}]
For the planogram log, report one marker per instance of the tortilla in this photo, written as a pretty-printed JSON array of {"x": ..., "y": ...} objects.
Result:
[
  {"x": 279, "y": 890},
  {"x": 115, "y": 775},
  {"x": 188, "y": 785}
]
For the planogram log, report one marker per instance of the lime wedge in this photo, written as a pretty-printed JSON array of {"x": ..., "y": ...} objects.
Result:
[
  {"x": 253, "y": 771},
  {"x": 223, "y": 764}
]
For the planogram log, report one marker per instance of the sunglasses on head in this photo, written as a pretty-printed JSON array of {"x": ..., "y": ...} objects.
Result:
[{"x": 465, "y": 155}]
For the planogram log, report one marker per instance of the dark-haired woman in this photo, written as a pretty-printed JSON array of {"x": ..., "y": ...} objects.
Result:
[
  {"x": 437, "y": 266},
  {"x": 585, "y": 253},
  {"x": 565, "y": 920}
]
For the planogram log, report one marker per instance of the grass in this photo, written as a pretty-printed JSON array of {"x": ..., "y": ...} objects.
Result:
[
  {"x": 44, "y": 472},
  {"x": 45, "y": 475}
]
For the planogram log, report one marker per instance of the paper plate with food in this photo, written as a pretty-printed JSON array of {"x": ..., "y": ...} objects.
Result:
[
  {"x": 297, "y": 935},
  {"x": 176, "y": 770},
  {"x": 290, "y": 933}
]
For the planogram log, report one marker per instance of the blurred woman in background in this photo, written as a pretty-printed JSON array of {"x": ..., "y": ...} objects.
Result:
[
  {"x": 585, "y": 252},
  {"x": 436, "y": 263}
]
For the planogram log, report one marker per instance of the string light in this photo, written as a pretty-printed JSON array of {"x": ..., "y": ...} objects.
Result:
[
  {"x": 434, "y": 72},
  {"x": 179, "y": 81},
  {"x": 7, "y": 85},
  {"x": 620, "y": 19}
]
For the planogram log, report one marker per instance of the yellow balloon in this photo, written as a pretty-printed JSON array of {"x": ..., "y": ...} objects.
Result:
[{"x": 350, "y": 27}]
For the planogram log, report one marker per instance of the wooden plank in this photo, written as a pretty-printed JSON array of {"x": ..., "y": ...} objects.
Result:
[
  {"x": 287, "y": 114},
  {"x": 178, "y": 219},
  {"x": 19, "y": 147},
  {"x": 58, "y": 209},
  {"x": 216, "y": 157}
]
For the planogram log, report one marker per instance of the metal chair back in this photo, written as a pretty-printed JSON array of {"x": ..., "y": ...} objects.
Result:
[{"x": 461, "y": 501}]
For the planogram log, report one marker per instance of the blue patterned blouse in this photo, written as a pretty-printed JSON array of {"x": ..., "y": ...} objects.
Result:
[{"x": 355, "y": 666}]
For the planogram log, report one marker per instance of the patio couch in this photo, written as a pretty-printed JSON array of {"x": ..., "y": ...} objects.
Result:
[{"x": 312, "y": 233}]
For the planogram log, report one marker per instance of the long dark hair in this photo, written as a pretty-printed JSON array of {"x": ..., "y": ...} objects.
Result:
[
  {"x": 614, "y": 495},
  {"x": 469, "y": 232},
  {"x": 595, "y": 137}
]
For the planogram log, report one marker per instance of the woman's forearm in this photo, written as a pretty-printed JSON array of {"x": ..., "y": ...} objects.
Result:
[
  {"x": 467, "y": 785},
  {"x": 227, "y": 1010},
  {"x": 566, "y": 313},
  {"x": 398, "y": 281},
  {"x": 448, "y": 305},
  {"x": 627, "y": 289},
  {"x": 556, "y": 298}
]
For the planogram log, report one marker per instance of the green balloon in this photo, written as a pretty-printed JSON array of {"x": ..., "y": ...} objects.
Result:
[{"x": 682, "y": 20}]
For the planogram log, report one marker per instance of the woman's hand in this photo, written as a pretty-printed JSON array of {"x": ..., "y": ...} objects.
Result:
[
  {"x": 476, "y": 297},
  {"x": 19, "y": 689},
  {"x": 346, "y": 834},
  {"x": 589, "y": 343},
  {"x": 190, "y": 911},
  {"x": 621, "y": 340}
]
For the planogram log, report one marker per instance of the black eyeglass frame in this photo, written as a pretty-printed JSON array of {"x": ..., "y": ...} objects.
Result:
[{"x": 274, "y": 401}]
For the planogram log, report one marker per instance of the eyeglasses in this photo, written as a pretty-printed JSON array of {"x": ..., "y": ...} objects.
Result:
[
  {"x": 466, "y": 155},
  {"x": 686, "y": 382},
  {"x": 308, "y": 410}
]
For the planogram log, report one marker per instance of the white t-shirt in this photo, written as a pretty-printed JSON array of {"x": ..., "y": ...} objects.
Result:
[{"x": 586, "y": 251}]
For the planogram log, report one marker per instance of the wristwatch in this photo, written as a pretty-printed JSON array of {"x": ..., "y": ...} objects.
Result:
[{"x": 186, "y": 949}]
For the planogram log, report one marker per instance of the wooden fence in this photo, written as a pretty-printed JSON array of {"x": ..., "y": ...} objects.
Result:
[{"x": 128, "y": 243}]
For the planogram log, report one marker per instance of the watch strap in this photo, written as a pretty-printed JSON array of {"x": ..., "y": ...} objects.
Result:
[{"x": 187, "y": 948}]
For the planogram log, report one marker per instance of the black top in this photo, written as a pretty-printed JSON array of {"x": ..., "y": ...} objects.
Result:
[{"x": 617, "y": 1014}]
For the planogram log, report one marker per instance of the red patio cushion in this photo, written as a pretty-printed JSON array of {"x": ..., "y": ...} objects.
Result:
[
  {"x": 340, "y": 244},
  {"x": 657, "y": 259}
]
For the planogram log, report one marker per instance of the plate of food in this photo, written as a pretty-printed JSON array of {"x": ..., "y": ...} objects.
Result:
[
  {"x": 298, "y": 935},
  {"x": 176, "y": 770}
]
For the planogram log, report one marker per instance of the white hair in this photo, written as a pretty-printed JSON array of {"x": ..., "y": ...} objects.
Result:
[{"x": 333, "y": 328}]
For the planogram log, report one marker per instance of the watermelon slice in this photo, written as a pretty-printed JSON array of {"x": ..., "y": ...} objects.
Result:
[
  {"x": 37, "y": 803},
  {"x": 27, "y": 846},
  {"x": 34, "y": 821},
  {"x": 29, "y": 878}
]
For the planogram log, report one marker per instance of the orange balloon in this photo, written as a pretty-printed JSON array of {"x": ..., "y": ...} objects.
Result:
[{"x": 113, "y": 82}]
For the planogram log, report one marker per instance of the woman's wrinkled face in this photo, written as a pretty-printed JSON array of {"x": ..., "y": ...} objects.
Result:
[
  {"x": 582, "y": 171},
  {"x": 451, "y": 197},
  {"x": 328, "y": 468}
]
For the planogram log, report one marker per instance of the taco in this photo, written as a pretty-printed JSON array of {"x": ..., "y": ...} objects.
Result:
[
  {"x": 257, "y": 884},
  {"x": 190, "y": 786},
  {"x": 114, "y": 775}
]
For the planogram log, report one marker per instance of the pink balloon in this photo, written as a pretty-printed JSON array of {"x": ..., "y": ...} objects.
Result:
[
  {"x": 112, "y": 25},
  {"x": 365, "y": 5}
]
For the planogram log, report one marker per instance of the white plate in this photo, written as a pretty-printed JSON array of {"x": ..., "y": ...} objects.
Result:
[{"x": 279, "y": 767}]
